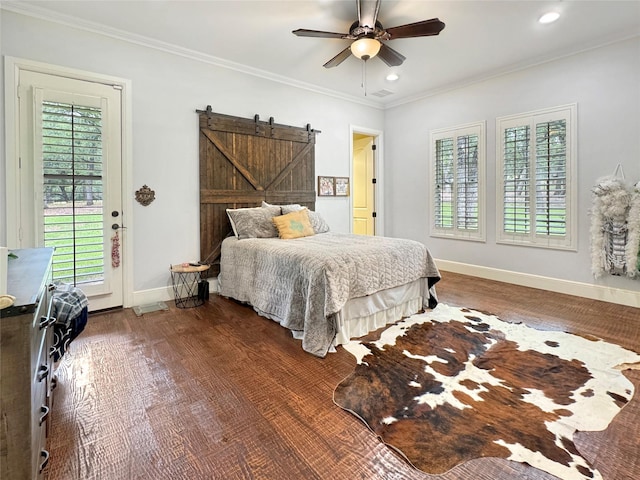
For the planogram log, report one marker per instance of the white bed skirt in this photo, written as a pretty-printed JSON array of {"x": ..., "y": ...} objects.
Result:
[{"x": 362, "y": 315}]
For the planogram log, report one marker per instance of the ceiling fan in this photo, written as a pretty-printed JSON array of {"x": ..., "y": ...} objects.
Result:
[{"x": 369, "y": 35}]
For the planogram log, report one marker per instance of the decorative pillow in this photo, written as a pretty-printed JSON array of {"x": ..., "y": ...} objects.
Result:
[
  {"x": 317, "y": 222},
  {"x": 294, "y": 224},
  {"x": 294, "y": 207},
  {"x": 291, "y": 208},
  {"x": 253, "y": 222}
]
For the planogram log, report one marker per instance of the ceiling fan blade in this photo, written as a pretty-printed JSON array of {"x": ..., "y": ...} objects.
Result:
[
  {"x": 389, "y": 56},
  {"x": 368, "y": 12},
  {"x": 302, "y": 32},
  {"x": 424, "y": 28},
  {"x": 339, "y": 58}
]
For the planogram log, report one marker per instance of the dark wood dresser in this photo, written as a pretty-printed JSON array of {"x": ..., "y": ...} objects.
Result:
[{"x": 26, "y": 368}]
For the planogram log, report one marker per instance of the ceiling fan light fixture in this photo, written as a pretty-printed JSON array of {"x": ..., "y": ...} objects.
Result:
[{"x": 365, "y": 48}]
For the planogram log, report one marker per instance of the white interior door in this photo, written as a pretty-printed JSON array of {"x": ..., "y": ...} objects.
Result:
[{"x": 71, "y": 181}]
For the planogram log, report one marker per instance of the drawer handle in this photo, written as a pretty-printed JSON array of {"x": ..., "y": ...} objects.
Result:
[
  {"x": 46, "y": 322},
  {"x": 43, "y": 465},
  {"x": 43, "y": 371},
  {"x": 45, "y": 413}
]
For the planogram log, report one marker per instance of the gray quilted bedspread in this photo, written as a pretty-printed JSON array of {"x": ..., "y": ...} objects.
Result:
[{"x": 302, "y": 283}]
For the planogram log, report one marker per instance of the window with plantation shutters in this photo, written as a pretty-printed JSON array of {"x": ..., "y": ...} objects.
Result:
[
  {"x": 536, "y": 171},
  {"x": 457, "y": 182},
  {"x": 73, "y": 191}
]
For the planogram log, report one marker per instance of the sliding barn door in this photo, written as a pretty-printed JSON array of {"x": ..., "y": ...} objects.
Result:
[{"x": 244, "y": 162}]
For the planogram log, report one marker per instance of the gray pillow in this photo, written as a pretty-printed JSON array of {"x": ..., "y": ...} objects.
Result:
[
  {"x": 253, "y": 222},
  {"x": 317, "y": 222},
  {"x": 294, "y": 207}
]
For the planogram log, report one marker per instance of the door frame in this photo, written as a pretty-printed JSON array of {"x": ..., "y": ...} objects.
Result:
[
  {"x": 379, "y": 172},
  {"x": 12, "y": 68}
]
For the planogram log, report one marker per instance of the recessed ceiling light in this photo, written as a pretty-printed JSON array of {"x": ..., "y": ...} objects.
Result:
[
  {"x": 549, "y": 17},
  {"x": 392, "y": 77}
]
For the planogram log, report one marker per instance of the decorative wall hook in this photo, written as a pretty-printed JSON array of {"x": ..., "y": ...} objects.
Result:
[{"x": 145, "y": 196}]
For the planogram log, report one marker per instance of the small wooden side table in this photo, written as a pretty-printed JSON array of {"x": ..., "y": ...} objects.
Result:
[{"x": 185, "y": 282}]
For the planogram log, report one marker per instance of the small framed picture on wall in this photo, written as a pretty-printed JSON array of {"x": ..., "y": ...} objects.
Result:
[
  {"x": 326, "y": 186},
  {"x": 342, "y": 186}
]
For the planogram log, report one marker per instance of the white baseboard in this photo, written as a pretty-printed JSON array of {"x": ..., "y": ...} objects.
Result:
[
  {"x": 145, "y": 297},
  {"x": 595, "y": 292},
  {"x": 165, "y": 294}
]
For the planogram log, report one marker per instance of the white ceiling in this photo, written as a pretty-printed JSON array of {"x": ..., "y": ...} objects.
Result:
[{"x": 481, "y": 39}]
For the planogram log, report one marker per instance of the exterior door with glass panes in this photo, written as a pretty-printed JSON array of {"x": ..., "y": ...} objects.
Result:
[{"x": 70, "y": 142}]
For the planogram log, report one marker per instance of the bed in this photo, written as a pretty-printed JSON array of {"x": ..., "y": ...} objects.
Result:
[
  {"x": 322, "y": 285},
  {"x": 325, "y": 287}
]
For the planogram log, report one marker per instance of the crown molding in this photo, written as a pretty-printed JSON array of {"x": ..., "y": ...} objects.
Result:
[
  {"x": 93, "y": 27},
  {"x": 510, "y": 69}
]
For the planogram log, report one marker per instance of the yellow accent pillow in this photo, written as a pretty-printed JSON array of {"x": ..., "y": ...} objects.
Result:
[{"x": 294, "y": 224}]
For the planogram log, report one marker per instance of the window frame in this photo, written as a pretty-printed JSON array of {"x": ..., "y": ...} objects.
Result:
[
  {"x": 568, "y": 241},
  {"x": 476, "y": 128}
]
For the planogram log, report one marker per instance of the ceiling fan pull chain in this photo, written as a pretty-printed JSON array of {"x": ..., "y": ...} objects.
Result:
[{"x": 364, "y": 76}]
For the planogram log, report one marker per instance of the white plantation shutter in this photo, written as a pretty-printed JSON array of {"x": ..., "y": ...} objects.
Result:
[
  {"x": 551, "y": 178},
  {"x": 443, "y": 198},
  {"x": 536, "y": 165},
  {"x": 516, "y": 180},
  {"x": 467, "y": 182},
  {"x": 457, "y": 171},
  {"x": 73, "y": 191}
]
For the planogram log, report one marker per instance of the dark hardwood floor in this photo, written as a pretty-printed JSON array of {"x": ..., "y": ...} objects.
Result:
[{"x": 217, "y": 392}]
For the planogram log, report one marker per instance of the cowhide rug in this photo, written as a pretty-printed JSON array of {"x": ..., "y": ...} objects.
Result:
[{"x": 454, "y": 384}]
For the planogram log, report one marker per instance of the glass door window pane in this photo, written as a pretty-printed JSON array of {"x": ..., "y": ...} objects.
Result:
[{"x": 73, "y": 191}]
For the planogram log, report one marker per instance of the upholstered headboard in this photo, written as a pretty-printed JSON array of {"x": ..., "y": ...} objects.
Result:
[{"x": 245, "y": 161}]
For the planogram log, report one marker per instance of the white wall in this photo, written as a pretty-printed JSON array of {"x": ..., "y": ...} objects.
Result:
[
  {"x": 167, "y": 89},
  {"x": 605, "y": 83}
]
